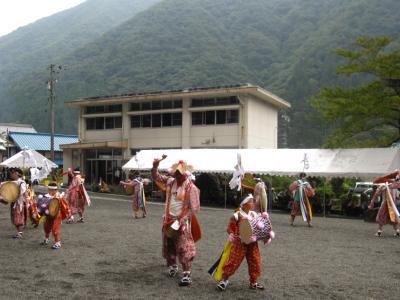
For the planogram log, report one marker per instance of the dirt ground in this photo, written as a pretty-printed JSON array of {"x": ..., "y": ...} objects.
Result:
[{"x": 113, "y": 256}]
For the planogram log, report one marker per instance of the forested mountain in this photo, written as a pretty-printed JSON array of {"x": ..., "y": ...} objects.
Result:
[
  {"x": 284, "y": 46},
  {"x": 32, "y": 48}
]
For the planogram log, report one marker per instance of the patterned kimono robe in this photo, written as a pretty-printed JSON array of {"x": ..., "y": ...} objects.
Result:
[
  {"x": 301, "y": 190},
  {"x": 17, "y": 209},
  {"x": 388, "y": 213},
  {"x": 77, "y": 196},
  {"x": 182, "y": 201}
]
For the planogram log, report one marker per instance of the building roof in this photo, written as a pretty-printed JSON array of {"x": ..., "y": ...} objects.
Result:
[
  {"x": 41, "y": 141},
  {"x": 222, "y": 91},
  {"x": 15, "y": 127}
]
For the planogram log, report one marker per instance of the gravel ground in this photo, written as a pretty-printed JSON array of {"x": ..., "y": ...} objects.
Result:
[{"x": 113, "y": 256}]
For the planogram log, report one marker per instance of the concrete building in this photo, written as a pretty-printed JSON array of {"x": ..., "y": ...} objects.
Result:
[{"x": 113, "y": 128}]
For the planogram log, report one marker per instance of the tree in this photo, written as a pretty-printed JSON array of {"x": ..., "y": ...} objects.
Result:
[{"x": 369, "y": 113}]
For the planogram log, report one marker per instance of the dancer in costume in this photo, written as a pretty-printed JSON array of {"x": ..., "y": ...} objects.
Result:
[
  {"x": 238, "y": 250},
  {"x": 18, "y": 207},
  {"x": 138, "y": 196},
  {"x": 77, "y": 197},
  {"x": 260, "y": 196},
  {"x": 179, "y": 226},
  {"x": 388, "y": 212},
  {"x": 301, "y": 191},
  {"x": 54, "y": 218}
]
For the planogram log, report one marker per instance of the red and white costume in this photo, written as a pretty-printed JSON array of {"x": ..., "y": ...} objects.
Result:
[
  {"x": 183, "y": 200},
  {"x": 53, "y": 224},
  {"x": 388, "y": 212},
  {"x": 17, "y": 209},
  {"x": 77, "y": 196},
  {"x": 240, "y": 250},
  {"x": 301, "y": 191},
  {"x": 137, "y": 195}
]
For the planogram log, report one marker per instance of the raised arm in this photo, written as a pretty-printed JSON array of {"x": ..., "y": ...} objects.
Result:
[
  {"x": 128, "y": 183},
  {"x": 154, "y": 171}
]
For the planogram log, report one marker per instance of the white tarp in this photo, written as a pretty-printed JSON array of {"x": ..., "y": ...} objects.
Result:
[
  {"x": 363, "y": 162},
  {"x": 28, "y": 159}
]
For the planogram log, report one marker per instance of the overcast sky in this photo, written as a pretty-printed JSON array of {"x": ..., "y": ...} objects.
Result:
[{"x": 17, "y": 13}]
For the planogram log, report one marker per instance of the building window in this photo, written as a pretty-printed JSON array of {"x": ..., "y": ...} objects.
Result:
[
  {"x": 176, "y": 119},
  {"x": 104, "y": 109},
  {"x": 232, "y": 116},
  {"x": 156, "y": 105},
  {"x": 101, "y": 123},
  {"x": 221, "y": 117},
  {"x": 135, "y": 106},
  {"x": 197, "y": 118},
  {"x": 90, "y": 124},
  {"x": 146, "y": 121},
  {"x": 209, "y": 117},
  {"x": 109, "y": 123},
  {"x": 213, "y": 117},
  {"x": 200, "y": 102},
  {"x": 156, "y": 120},
  {"x": 135, "y": 121},
  {"x": 166, "y": 120}
]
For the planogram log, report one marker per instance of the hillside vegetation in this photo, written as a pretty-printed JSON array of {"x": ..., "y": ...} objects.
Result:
[{"x": 284, "y": 46}]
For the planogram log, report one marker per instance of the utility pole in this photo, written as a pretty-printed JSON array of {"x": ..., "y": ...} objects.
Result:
[{"x": 54, "y": 70}]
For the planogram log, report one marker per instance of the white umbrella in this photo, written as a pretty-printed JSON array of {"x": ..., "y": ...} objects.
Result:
[{"x": 28, "y": 159}]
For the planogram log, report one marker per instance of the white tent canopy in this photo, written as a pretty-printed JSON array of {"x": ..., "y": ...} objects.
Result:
[
  {"x": 363, "y": 162},
  {"x": 28, "y": 159}
]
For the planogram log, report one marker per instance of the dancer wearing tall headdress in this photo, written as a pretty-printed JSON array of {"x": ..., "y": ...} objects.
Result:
[
  {"x": 138, "y": 196},
  {"x": 236, "y": 249},
  {"x": 54, "y": 208},
  {"x": 388, "y": 212},
  {"x": 301, "y": 191},
  {"x": 17, "y": 208},
  {"x": 180, "y": 228},
  {"x": 77, "y": 197}
]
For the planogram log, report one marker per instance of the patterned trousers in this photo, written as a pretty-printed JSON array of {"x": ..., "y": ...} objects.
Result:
[
  {"x": 53, "y": 225},
  {"x": 253, "y": 257},
  {"x": 180, "y": 248}
]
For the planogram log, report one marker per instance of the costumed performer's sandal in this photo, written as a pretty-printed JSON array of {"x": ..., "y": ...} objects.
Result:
[
  {"x": 185, "y": 280},
  {"x": 221, "y": 286},
  {"x": 173, "y": 270},
  {"x": 18, "y": 236},
  {"x": 56, "y": 246},
  {"x": 44, "y": 242},
  {"x": 256, "y": 286}
]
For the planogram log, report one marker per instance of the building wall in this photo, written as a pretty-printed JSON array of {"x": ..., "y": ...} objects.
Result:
[
  {"x": 261, "y": 124},
  {"x": 102, "y": 135},
  {"x": 214, "y": 136},
  {"x": 148, "y": 138},
  {"x": 257, "y": 128}
]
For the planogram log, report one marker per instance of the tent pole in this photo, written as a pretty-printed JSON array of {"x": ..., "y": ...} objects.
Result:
[
  {"x": 324, "y": 198},
  {"x": 225, "y": 196}
]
